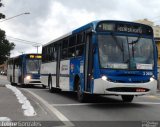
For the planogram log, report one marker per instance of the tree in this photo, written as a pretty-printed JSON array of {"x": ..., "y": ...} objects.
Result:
[
  {"x": 1, "y": 15},
  {"x": 5, "y": 45}
]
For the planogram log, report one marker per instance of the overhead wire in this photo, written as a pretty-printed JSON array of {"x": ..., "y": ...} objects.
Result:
[{"x": 24, "y": 41}]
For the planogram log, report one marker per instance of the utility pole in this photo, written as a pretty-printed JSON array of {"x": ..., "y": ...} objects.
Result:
[
  {"x": 37, "y": 46},
  {"x": 34, "y": 44}
]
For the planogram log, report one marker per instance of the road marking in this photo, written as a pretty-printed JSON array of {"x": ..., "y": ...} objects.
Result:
[
  {"x": 86, "y": 104},
  {"x": 149, "y": 103},
  {"x": 26, "y": 105},
  {"x": 77, "y": 104},
  {"x": 154, "y": 97},
  {"x": 61, "y": 117}
]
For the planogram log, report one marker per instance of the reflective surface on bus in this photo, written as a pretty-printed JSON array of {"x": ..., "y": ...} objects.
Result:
[{"x": 124, "y": 52}]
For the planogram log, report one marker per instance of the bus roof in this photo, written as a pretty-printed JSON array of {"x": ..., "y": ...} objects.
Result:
[{"x": 93, "y": 26}]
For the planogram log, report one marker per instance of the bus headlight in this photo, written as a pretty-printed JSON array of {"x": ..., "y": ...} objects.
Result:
[
  {"x": 28, "y": 77},
  {"x": 151, "y": 79},
  {"x": 104, "y": 78}
]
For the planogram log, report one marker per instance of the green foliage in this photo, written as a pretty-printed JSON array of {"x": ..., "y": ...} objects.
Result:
[
  {"x": 1, "y": 15},
  {"x": 5, "y": 45}
]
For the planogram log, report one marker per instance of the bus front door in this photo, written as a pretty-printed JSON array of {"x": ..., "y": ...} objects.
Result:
[{"x": 88, "y": 63}]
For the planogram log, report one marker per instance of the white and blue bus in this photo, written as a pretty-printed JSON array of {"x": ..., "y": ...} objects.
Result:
[
  {"x": 24, "y": 69},
  {"x": 102, "y": 57}
]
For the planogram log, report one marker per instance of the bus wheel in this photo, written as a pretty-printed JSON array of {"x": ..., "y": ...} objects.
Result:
[
  {"x": 13, "y": 84},
  {"x": 44, "y": 86},
  {"x": 23, "y": 85},
  {"x": 80, "y": 95},
  {"x": 127, "y": 98},
  {"x": 50, "y": 85}
]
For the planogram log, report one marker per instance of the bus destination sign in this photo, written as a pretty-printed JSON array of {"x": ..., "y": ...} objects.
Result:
[
  {"x": 33, "y": 56},
  {"x": 129, "y": 29},
  {"x": 124, "y": 27}
]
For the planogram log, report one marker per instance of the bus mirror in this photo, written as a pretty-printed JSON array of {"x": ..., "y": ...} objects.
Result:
[{"x": 89, "y": 31}]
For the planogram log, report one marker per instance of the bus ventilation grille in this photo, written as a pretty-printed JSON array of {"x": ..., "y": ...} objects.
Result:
[{"x": 126, "y": 89}]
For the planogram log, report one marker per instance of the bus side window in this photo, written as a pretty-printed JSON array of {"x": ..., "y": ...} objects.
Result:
[
  {"x": 79, "y": 50},
  {"x": 47, "y": 55},
  {"x": 80, "y": 44},
  {"x": 80, "y": 38},
  {"x": 64, "y": 54},
  {"x": 50, "y": 52},
  {"x": 43, "y": 54},
  {"x": 71, "y": 52},
  {"x": 65, "y": 43},
  {"x": 55, "y": 52},
  {"x": 64, "y": 49},
  {"x": 55, "y": 55},
  {"x": 72, "y": 41}
]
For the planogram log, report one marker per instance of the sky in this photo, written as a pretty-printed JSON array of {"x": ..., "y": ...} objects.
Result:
[{"x": 49, "y": 19}]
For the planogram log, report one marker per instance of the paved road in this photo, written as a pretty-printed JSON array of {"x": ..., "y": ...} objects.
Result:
[
  {"x": 11, "y": 109},
  {"x": 99, "y": 111}
]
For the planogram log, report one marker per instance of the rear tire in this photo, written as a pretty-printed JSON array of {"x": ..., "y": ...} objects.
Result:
[
  {"x": 13, "y": 84},
  {"x": 23, "y": 85},
  {"x": 44, "y": 86},
  {"x": 52, "y": 89},
  {"x": 127, "y": 98},
  {"x": 50, "y": 84}
]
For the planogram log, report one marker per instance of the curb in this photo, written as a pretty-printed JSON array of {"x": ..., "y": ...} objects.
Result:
[{"x": 2, "y": 85}]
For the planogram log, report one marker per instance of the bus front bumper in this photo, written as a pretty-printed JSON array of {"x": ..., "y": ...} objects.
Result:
[
  {"x": 104, "y": 87},
  {"x": 32, "y": 81}
]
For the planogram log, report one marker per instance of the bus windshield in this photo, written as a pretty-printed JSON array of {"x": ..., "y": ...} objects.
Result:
[
  {"x": 125, "y": 52},
  {"x": 33, "y": 66}
]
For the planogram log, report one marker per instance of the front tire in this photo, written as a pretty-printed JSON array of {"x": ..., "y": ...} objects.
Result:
[{"x": 127, "y": 98}]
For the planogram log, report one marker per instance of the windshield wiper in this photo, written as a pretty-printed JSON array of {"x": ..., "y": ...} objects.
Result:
[
  {"x": 115, "y": 38},
  {"x": 119, "y": 46},
  {"x": 134, "y": 42}
]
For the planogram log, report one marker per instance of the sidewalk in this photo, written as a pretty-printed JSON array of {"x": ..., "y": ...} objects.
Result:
[
  {"x": 9, "y": 105},
  {"x": 3, "y": 80}
]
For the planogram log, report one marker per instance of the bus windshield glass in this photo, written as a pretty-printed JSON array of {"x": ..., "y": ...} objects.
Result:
[
  {"x": 125, "y": 52},
  {"x": 33, "y": 66}
]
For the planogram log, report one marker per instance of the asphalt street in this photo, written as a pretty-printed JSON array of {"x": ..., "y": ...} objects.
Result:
[{"x": 62, "y": 109}]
